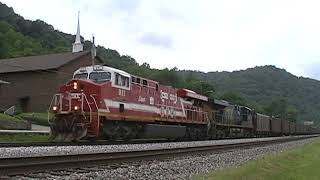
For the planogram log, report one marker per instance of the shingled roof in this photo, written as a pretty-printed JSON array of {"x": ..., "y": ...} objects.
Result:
[{"x": 42, "y": 62}]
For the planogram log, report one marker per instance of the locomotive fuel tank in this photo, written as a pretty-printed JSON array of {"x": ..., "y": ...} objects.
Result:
[{"x": 164, "y": 131}]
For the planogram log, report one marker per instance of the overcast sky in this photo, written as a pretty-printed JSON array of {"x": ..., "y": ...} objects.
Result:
[{"x": 205, "y": 35}]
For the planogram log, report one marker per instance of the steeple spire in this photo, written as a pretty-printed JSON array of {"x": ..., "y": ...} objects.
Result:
[
  {"x": 78, "y": 30},
  {"x": 77, "y": 46}
]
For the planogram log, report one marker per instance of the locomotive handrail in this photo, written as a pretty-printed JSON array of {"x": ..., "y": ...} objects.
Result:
[
  {"x": 55, "y": 102},
  {"x": 88, "y": 106},
  {"x": 197, "y": 115},
  {"x": 95, "y": 102},
  {"x": 82, "y": 102},
  {"x": 50, "y": 109}
]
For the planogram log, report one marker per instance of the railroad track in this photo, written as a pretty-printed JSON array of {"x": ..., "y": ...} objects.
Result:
[
  {"x": 82, "y": 143},
  {"x": 16, "y": 166},
  {"x": 90, "y": 143}
]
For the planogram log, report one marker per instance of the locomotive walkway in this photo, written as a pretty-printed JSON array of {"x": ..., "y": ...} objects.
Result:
[{"x": 23, "y": 165}]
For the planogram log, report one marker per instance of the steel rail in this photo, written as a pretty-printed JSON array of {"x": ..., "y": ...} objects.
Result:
[
  {"x": 99, "y": 142},
  {"x": 81, "y": 143},
  {"x": 23, "y": 165}
]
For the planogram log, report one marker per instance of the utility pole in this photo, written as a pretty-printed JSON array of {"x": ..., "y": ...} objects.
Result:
[{"x": 93, "y": 51}]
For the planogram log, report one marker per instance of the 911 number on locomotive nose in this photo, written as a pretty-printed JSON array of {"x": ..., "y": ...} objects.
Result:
[{"x": 75, "y": 95}]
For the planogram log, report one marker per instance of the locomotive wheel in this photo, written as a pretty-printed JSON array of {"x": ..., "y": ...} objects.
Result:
[
  {"x": 120, "y": 131},
  {"x": 195, "y": 133}
]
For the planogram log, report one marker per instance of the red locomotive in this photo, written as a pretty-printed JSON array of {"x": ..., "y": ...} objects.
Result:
[
  {"x": 107, "y": 103},
  {"x": 101, "y": 101}
]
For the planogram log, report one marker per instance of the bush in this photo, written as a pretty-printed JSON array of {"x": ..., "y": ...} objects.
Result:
[
  {"x": 8, "y": 117},
  {"x": 36, "y": 118}
]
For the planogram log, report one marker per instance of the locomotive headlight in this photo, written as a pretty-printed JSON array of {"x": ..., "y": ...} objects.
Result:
[
  {"x": 54, "y": 108},
  {"x": 75, "y": 85},
  {"x": 76, "y": 108}
]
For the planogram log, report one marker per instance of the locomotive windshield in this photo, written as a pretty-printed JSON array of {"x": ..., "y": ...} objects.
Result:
[
  {"x": 81, "y": 76},
  {"x": 100, "y": 77}
]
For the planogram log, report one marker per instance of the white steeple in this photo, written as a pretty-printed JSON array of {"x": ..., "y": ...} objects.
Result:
[{"x": 77, "y": 46}]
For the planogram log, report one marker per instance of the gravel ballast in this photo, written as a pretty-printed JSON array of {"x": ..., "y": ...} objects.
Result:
[
  {"x": 68, "y": 150},
  {"x": 177, "y": 168}
]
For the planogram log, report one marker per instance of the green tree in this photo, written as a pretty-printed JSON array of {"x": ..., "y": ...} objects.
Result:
[
  {"x": 292, "y": 114},
  {"x": 234, "y": 98},
  {"x": 277, "y": 108}
]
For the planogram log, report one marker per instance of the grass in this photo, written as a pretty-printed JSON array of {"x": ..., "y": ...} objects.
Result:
[
  {"x": 4, "y": 117},
  {"x": 298, "y": 164},
  {"x": 36, "y": 118},
  {"x": 15, "y": 138},
  {"x": 24, "y": 137}
]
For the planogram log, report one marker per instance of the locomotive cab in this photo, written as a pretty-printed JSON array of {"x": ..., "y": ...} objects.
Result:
[{"x": 103, "y": 74}]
